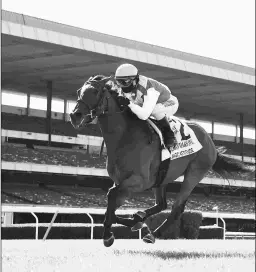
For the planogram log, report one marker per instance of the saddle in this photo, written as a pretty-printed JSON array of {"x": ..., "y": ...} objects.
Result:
[{"x": 185, "y": 136}]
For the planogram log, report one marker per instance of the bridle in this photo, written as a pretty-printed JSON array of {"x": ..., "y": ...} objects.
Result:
[{"x": 101, "y": 108}]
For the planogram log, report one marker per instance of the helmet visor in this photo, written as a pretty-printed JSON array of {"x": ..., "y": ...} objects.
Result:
[{"x": 124, "y": 81}]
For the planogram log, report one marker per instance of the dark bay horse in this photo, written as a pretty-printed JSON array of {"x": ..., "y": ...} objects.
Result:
[{"x": 134, "y": 158}]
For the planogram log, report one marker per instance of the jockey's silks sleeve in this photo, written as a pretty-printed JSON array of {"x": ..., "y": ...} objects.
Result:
[{"x": 149, "y": 104}]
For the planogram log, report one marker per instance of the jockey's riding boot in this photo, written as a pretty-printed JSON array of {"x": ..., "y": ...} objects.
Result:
[{"x": 168, "y": 134}]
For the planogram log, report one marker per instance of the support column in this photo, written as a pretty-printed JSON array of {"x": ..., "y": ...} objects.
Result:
[
  {"x": 28, "y": 104},
  {"x": 242, "y": 136},
  {"x": 49, "y": 111},
  {"x": 212, "y": 134},
  {"x": 65, "y": 109},
  {"x": 101, "y": 148}
]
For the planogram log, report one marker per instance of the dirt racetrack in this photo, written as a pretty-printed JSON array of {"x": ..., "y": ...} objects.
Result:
[{"x": 128, "y": 255}]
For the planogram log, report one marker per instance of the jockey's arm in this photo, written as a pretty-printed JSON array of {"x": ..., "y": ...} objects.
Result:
[{"x": 149, "y": 104}]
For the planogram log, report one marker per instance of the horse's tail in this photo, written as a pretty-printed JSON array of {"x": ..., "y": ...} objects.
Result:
[{"x": 226, "y": 166}]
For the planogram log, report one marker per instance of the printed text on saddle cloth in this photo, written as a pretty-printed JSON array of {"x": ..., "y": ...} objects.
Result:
[{"x": 186, "y": 138}]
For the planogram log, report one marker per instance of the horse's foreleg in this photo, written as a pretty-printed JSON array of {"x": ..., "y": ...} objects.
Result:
[
  {"x": 116, "y": 197},
  {"x": 160, "y": 205}
]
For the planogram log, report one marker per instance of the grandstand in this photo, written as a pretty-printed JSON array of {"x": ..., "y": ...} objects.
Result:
[{"x": 46, "y": 162}]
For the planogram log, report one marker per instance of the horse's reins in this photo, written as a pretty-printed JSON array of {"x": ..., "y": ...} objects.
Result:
[{"x": 93, "y": 112}]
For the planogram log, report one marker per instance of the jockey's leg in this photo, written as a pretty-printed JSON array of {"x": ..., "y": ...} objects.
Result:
[{"x": 160, "y": 113}]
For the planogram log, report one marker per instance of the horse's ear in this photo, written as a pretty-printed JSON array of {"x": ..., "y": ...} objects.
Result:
[
  {"x": 106, "y": 79},
  {"x": 103, "y": 81}
]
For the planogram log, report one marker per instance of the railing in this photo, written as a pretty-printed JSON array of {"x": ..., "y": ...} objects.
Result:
[
  {"x": 230, "y": 234},
  {"x": 91, "y": 171},
  {"x": 55, "y": 210},
  {"x": 242, "y": 235}
]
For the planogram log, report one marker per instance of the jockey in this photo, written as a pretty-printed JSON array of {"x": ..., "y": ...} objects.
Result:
[{"x": 147, "y": 97}]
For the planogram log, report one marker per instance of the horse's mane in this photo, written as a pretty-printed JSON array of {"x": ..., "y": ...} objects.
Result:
[{"x": 97, "y": 78}]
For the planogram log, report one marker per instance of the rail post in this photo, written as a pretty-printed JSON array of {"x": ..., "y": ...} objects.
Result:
[
  {"x": 92, "y": 225},
  {"x": 215, "y": 208},
  {"x": 36, "y": 237},
  {"x": 223, "y": 221}
]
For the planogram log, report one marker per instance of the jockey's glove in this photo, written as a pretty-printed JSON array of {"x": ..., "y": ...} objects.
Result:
[{"x": 123, "y": 101}]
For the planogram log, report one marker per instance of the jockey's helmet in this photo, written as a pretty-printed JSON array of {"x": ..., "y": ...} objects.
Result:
[{"x": 126, "y": 77}]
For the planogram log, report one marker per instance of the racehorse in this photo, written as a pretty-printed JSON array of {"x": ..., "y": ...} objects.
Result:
[{"x": 134, "y": 158}]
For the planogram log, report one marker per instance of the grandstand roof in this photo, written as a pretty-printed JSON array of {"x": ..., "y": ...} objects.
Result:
[{"x": 35, "y": 51}]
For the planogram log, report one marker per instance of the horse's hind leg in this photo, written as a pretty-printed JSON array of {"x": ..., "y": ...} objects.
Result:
[
  {"x": 191, "y": 178},
  {"x": 160, "y": 205}
]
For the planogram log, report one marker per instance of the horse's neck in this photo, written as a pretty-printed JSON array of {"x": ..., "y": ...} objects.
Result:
[{"x": 115, "y": 127}]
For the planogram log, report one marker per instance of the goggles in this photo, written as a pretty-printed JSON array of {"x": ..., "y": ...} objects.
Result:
[{"x": 125, "y": 81}]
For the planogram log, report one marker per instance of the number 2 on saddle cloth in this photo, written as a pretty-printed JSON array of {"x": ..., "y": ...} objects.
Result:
[{"x": 179, "y": 130}]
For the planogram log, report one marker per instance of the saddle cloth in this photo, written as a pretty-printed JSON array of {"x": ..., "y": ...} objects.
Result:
[{"x": 185, "y": 136}]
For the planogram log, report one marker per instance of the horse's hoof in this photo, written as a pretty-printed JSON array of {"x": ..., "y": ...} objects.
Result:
[
  {"x": 109, "y": 242},
  {"x": 137, "y": 226},
  {"x": 149, "y": 238}
]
